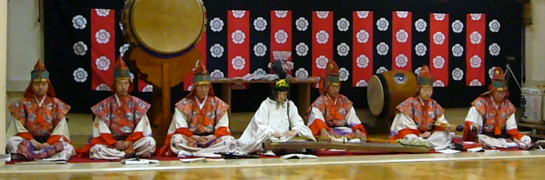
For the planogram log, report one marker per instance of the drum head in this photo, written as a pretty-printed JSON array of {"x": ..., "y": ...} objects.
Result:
[
  {"x": 167, "y": 26},
  {"x": 375, "y": 96}
]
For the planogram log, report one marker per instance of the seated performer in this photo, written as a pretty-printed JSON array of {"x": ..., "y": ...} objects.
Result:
[
  {"x": 39, "y": 127},
  {"x": 200, "y": 125},
  {"x": 277, "y": 119},
  {"x": 121, "y": 128},
  {"x": 421, "y": 117},
  {"x": 493, "y": 115},
  {"x": 332, "y": 116}
]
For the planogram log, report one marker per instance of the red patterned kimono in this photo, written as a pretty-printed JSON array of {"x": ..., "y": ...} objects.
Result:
[
  {"x": 495, "y": 120},
  {"x": 42, "y": 120},
  {"x": 335, "y": 115},
  {"x": 415, "y": 117},
  {"x": 208, "y": 118},
  {"x": 120, "y": 120}
]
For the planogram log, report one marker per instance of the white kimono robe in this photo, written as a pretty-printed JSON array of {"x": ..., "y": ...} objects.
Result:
[{"x": 272, "y": 117}]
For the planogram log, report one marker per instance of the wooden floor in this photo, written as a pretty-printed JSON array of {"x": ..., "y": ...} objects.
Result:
[{"x": 532, "y": 168}]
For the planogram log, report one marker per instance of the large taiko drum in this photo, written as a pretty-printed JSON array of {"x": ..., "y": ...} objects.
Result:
[
  {"x": 388, "y": 89},
  {"x": 164, "y": 27}
]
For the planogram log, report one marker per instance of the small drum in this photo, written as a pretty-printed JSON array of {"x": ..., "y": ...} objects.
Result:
[
  {"x": 165, "y": 27},
  {"x": 389, "y": 89}
]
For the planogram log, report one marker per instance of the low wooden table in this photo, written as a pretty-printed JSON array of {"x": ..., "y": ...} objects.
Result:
[{"x": 303, "y": 87}]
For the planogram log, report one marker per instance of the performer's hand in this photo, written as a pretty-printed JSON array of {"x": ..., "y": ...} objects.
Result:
[
  {"x": 291, "y": 133},
  {"x": 425, "y": 135},
  {"x": 119, "y": 145},
  {"x": 210, "y": 138},
  {"x": 359, "y": 134},
  {"x": 451, "y": 128},
  {"x": 277, "y": 134},
  {"x": 127, "y": 144},
  {"x": 324, "y": 135},
  {"x": 202, "y": 140},
  {"x": 45, "y": 145},
  {"x": 36, "y": 144},
  {"x": 129, "y": 152}
]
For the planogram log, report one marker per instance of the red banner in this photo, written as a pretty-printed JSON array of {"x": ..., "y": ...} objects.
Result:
[
  {"x": 439, "y": 48},
  {"x": 322, "y": 41},
  {"x": 475, "y": 45},
  {"x": 402, "y": 40},
  {"x": 103, "y": 48},
  {"x": 362, "y": 40},
  {"x": 238, "y": 43}
]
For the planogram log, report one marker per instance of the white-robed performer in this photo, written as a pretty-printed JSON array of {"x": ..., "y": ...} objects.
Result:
[{"x": 277, "y": 119}]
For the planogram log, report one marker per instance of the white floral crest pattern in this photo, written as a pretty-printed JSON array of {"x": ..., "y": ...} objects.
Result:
[
  {"x": 362, "y": 61},
  {"x": 302, "y": 24},
  {"x": 494, "y": 49},
  {"x": 322, "y": 14},
  {"x": 438, "y": 62},
  {"x": 475, "y": 37},
  {"x": 343, "y": 24},
  {"x": 321, "y": 62},
  {"x": 238, "y": 13},
  {"x": 301, "y": 73},
  {"x": 80, "y": 48},
  {"x": 343, "y": 49},
  {"x": 102, "y": 12},
  {"x": 420, "y": 49},
  {"x": 238, "y": 63},
  {"x": 438, "y": 83},
  {"x": 401, "y": 60},
  {"x": 238, "y": 37},
  {"x": 216, "y": 50},
  {"x": 322, "y": 37},
  {"x": 147, "y": 88},
  {"x": 475, "y": 16},
  {"x": 80, "y": 75},
  {"x": 457, "y": 74},
  {"x": 102, "y": 36},
  {"x": 302, "y": 49},
  {"x": 494, "y": 25},
  {"x": 343, "y": 74},
  {"x": 103, "y": 87},
  {"x": 124, "y": 49},
  {"x": 475, "y": 82},
  {"x": 363, "y": 36},
  {"x": 260, "y": 24},
  {"x": 281, "y": 14},
  {"x": 457, "y": 50},
  {"x": 382, "y": 49},
  {"x": 217, "y": 74},
  {"x": 475, "y": 61},
  {"x": 491, "y": 72},
  {"x": 79, "y": 22},
  {"x": 457, "y": 26},
  {"x": 381, "y": 69},
  {"x": 417, "y": 71},
  {"x": 281, "y": 36},
  {"x": 382, "y": 24},
  {"x": 420, "y": 25},
  {"x": 439, "y": 38},
  {"x": 260, "y": 49},
  {"x": 362, "y": 83},
  {"x": 103, "y": 63},
  {"x": 216, "y": 24},
  {"x": 439, "y": 16},
  {"x": 402, "y": 14},
  {"x": 402, "y": 36},
  {"x": 363, "y": 14}
]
